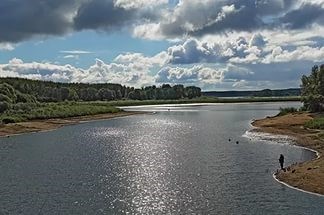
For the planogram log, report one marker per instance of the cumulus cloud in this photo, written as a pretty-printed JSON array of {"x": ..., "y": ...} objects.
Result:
[
  {"x": 191, "y": 75},
  {"x": 138, "y": 58},
  {"x": 195, "y": 51},
  {"x": 21, "y": 20},
  {"x": 128, "y": 74},
  {"x": 301, "y": 53},
  {"x": 197, "y": 18}
]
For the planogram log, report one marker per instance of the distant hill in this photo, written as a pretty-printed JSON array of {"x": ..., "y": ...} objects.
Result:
[{"x": 259, "y": 93}]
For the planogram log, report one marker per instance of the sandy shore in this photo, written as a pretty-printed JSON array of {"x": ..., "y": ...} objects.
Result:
[
  {"x": 51, "y": 124},
  {"x": 308, "y": 176}
]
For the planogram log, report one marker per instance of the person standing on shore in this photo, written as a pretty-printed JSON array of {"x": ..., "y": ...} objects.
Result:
[{"x": 281, "y": 161}]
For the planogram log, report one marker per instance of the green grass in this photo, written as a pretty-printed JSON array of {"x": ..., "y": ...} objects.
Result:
[
  {"x": 32, "y": 111},
  {"x": 285, "y": 111},
  {"x": 202, "y": 100},
  {"x": 56, "y": 110},
  {"x": 317, "y": 123}
]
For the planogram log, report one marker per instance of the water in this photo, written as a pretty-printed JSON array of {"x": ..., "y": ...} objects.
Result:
[{"x": 172, "y": 162}]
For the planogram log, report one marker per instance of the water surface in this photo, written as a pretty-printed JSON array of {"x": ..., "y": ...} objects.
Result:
[{"x": 176, "y": 161}]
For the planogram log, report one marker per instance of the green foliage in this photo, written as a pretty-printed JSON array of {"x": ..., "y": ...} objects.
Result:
[
  {"x": 25, "y": 98},
  {"x": 317, "y": 123},
  {"x": 4, "y": 106},
  {"x": 7, "y": 120},
  {"x": 23, "y": 111},
  {"x": 285, "y": 111},
  {"x": 46, "y": 91},
  {"x": 9, "y": 91},
  {"x": 313, "y": 89},
  {"x": 5, "y": 98}
]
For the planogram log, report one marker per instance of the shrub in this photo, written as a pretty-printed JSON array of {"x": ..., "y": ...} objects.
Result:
[
  {"x": 8, "y": 120},
  {"x": 284, "y": 111},
  {"x": 317, "y": 123},
  {"x": 4, "y": 106}
]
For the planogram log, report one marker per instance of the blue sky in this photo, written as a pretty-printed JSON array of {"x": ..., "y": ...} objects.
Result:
[{"x": 216, "y": 45}]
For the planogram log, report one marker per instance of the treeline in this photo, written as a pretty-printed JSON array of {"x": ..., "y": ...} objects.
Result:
[
  {"x": 46, "y": 91},
  {"x": 260, "y": 93},
  {"x": 18, "y": 90}
]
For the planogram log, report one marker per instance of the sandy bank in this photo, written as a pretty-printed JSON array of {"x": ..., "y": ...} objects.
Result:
[
  {"x": 308, "y": 176},
  {"x": 51, "y": 124}
]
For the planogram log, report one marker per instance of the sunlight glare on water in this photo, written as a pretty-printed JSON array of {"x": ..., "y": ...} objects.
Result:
[{"x": 171, "y": 162}]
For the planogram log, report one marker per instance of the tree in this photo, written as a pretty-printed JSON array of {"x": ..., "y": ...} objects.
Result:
[{"x": 313, "y": 90}]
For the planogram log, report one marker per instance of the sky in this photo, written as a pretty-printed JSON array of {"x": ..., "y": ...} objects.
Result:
[{"x": 212, "y": 44}]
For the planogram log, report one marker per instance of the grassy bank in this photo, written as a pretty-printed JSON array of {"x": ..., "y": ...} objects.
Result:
[
  {"x": 203, "y": 100},
  {"x": 22, "y": 112},
  {"x": 35, "y": 111},
  {"x": 316, "y": 123}
]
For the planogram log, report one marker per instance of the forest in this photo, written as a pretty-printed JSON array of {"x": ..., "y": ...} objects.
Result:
[
  {"x": 46, "y": 91},
  {"x": 25, "y": 99}
]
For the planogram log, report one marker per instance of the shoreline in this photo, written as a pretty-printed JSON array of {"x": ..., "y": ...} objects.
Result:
[
  {"x": 307, "y": 176},
  {"x": 35, "y": 126}
]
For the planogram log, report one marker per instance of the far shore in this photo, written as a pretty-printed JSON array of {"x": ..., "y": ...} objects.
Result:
[
  {"x": 52, "y": 124},
  {"x": 307, "y": 176}
]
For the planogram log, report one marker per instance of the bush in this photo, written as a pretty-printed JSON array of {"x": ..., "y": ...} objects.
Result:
[
  {"x": 8, "y": 120},
  {"x": 4, "y": 106},
  {"x": 317, "y": 123},
  {"x": 284, "y": 111},
  {"x": 25, "y": 98}
]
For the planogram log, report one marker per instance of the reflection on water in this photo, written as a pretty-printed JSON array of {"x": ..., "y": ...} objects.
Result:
[{"x": 171, "y": 162}]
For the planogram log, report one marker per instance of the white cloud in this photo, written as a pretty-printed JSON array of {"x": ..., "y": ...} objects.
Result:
[
  {"x": 151, "y": 31},
  {"x": 76, "y": 52},
  {"x": 301, "y": 53},
  {"x": 135, "y": 4},
  {"x": 139, "y": 59},
  {"x": 130, "y": 74},
  {"x": 71, "y": 56},
  {"x": 196, "y": 74},
  {"x": 6, "y": 47}
]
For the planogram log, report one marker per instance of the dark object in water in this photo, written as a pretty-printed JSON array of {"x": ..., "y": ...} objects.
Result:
[
  {"x": 237, "y": 142},
  {"x": 229, "y": 139}
]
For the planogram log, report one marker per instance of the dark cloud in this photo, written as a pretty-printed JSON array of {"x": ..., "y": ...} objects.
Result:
[
  {"x": 102, "y": 14},
  {"x": 247, "y": 16},
  {"x": 304, "y": 16},
  {"x": 20, "y": 20}
]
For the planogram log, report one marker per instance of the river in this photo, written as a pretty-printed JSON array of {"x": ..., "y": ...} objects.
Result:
[{"x": 178, "y": 160}]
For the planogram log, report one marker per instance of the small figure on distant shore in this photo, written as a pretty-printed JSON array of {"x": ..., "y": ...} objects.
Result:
[{"x": 281, "y": 161}]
